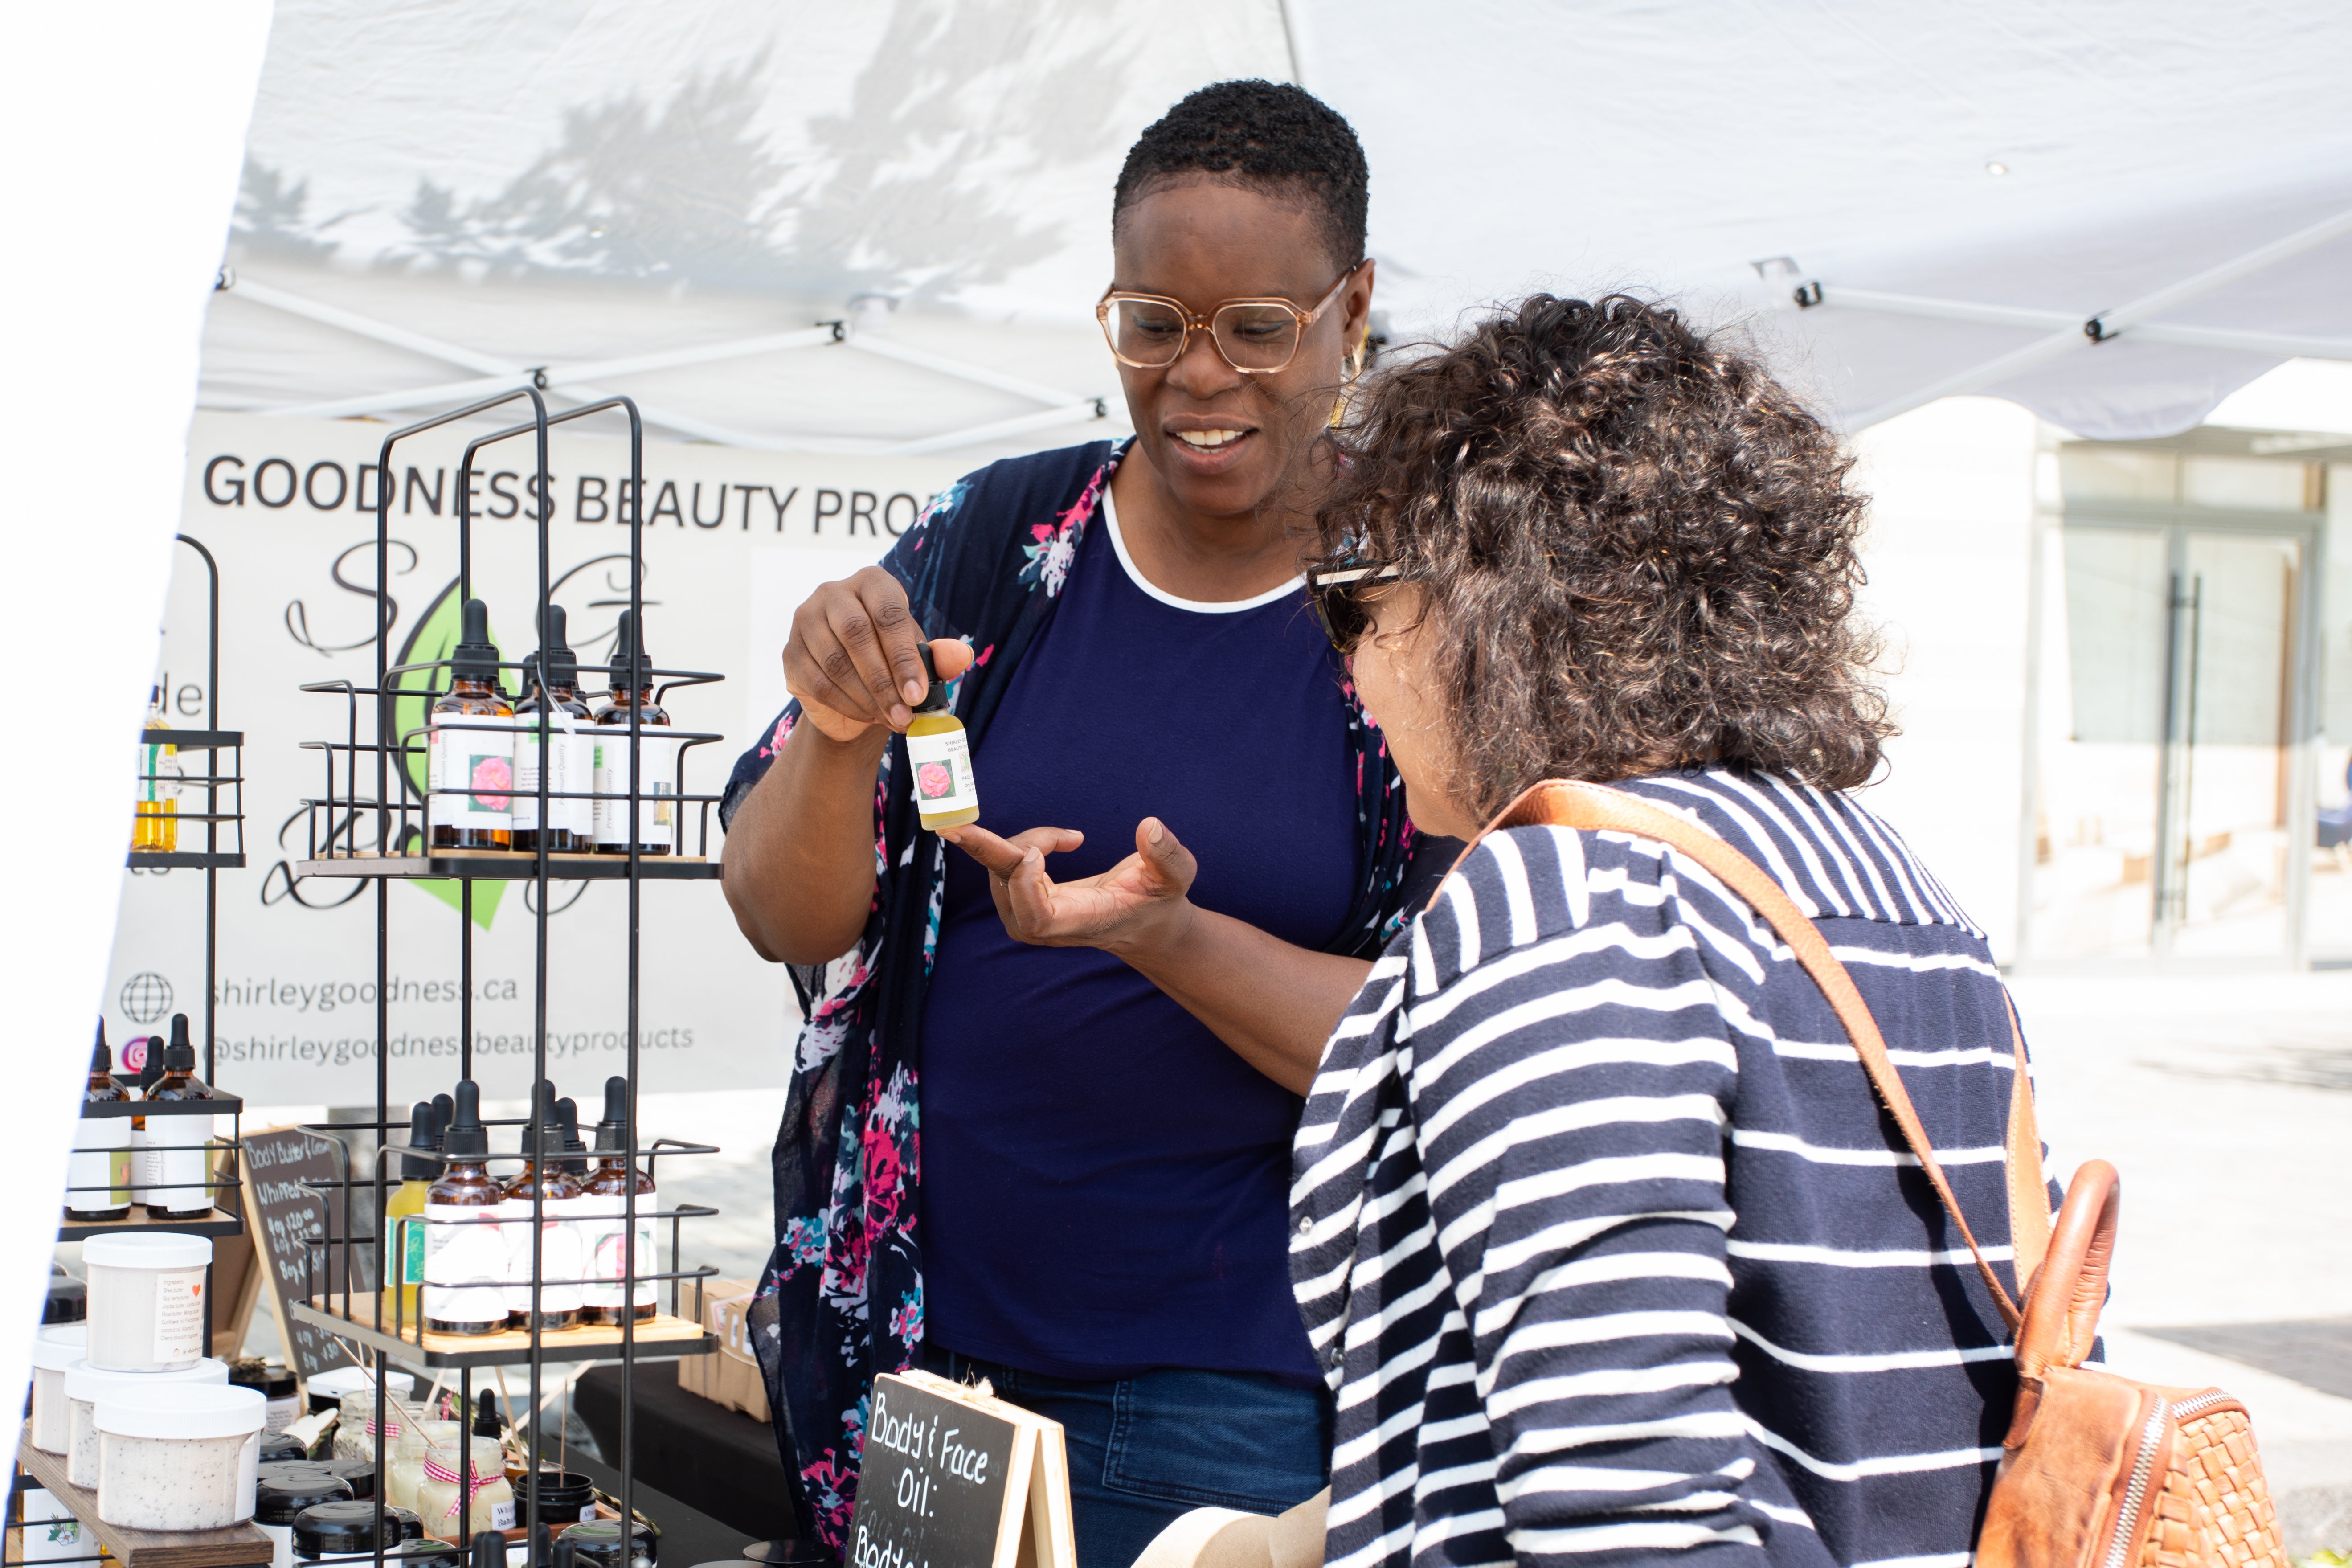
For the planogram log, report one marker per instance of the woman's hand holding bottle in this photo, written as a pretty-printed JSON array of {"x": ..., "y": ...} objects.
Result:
[{"x": 851, "y": 660}]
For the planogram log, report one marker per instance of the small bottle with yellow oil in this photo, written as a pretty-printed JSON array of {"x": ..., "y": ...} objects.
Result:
[
  {"x": 156, "y": 829},
  {"x": 939, "y": 755}
]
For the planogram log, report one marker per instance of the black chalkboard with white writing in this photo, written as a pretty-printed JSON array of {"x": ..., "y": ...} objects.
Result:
[
  {"x": 935, "y": 1481},
  {"x": 283, "y": 1216}
]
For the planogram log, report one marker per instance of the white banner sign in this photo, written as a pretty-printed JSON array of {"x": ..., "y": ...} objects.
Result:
[{"x": 734, "y": 541}]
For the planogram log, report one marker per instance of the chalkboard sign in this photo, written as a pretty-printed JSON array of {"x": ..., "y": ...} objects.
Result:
[
  {"x": 954, "y": 1478},
  {"x": 282, "y": 1215}
]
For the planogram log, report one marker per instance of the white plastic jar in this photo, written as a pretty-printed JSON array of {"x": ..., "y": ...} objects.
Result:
[
  {"x": 54, "y": 1349},
  {"x": 146, "y": 1300},
  {"x": 86, "y": 1384},
  {"x": 179, "y": 1457},
  {"x": 493, "y": 1505},
  {"x": 406, "y": 1471},
  {"x": 326, "y": 1390}
]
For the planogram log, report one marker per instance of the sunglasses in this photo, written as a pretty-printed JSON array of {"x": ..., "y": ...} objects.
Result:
[{"x": 1338, "y": 606}]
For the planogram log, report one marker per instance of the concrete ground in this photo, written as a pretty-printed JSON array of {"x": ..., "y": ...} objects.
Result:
[{"x": 2226, "y": 1103}]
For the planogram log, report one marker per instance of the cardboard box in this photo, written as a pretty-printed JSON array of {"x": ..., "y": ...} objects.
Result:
[{"x": 731, "y": 1375}]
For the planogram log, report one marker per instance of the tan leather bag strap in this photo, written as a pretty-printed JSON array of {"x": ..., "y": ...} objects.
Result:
[{"x": 1594, "y": 806}]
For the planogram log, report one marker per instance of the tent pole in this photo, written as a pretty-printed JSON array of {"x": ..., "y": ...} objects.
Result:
[
  {"x": 979, "y": 374},
  {"x": 2108, "y": 323},
  {"x": 1091, "y": 408}
]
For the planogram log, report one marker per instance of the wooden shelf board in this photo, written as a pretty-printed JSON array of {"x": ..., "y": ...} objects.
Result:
[
  {"x": 496, "y": 865},
  {"x": 222, "y": 1223},
  {"x": 659, "y": 1338},
  {"x": 239, "y": 1545}
]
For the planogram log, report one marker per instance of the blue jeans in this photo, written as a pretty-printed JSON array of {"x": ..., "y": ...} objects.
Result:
[{"x": 1144, "y": 1449}]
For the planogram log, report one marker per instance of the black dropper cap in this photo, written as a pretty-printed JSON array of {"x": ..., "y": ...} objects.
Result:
[
  {"x": 150, "y": 1066},
  {"x": 486, "y": 1414},
  {"x": 489, "y": 1550},
  {"x": 179, "y": 1056},
  {"x": 562, "y": 665},
  {"x": 444, "y": 1107},
  {"x": 100, "y": 1059},
  {"x": 416, "y": 1167},
  {"x": 476, "y": 657},
  {"x": 467, "y": 1137},
  {"x": 629, "y": 654},
  {"x": 542, "y": 1544},
  {"x": 545, "y": 1129},
  {"x": 567, "y": 1112},
  {"x": 934, "y": 701},
  {"x": 612, "y": 1133}
]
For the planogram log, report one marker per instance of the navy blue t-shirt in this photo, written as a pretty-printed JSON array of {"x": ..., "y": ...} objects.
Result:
[{"x": 1105, "y": 1182}]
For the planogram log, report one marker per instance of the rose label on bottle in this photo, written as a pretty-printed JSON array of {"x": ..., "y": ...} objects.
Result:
[
  {"x": 605, "y": 1230},
  {"x": 561, "y": 1263},
  {"x": 465, "y": 1264},
  {"x": 942, "y": 768},
  {"x": 470, "y": 772},
  {"x": 179, "y": 1315}
]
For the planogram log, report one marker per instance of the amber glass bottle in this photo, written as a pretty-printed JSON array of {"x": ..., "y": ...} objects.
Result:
[
  {"x": 558, "y": 1192},
  {"x": 99, "y": 1188},
  {"x": 567, "y": 750},
  {"x": 465, "y": 1254},
  {"x": 470, "y": 746},
  {"x": 633, "y": 692},
  {"x": 607, "y": 1197},
  {"x": 178, "y": 1170}
]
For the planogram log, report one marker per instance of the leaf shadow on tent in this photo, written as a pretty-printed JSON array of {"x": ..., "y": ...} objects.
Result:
[{"x": 916, "y": 189}]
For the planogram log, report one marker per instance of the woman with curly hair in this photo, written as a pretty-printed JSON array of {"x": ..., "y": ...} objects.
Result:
[{"x": 1601, "y": 1238}]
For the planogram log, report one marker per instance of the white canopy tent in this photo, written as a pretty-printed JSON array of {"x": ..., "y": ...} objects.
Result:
[{"x": 2114, "y": 211}]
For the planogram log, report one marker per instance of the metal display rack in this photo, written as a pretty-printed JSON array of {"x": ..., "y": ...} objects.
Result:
[
  {"x": 243, "y": 1544},
  {"x": 376, "y": 1327}
]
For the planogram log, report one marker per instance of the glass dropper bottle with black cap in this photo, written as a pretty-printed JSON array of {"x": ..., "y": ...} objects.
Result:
[
  {"x": 607, "y": 1201},
  {"x": 465, "y": 1254},
  {"x": 561, "y": 1267},
  {"x": 100, "y": 1187},
  {"x": 469, "y": 742},
  {"x": 177, "y": 1170},
  {"x": 568, "y": 747},
  {"x": 406, "y": 1242},
  {"x": 633, "y": 692},
  {"x": 938, "y": 757}
]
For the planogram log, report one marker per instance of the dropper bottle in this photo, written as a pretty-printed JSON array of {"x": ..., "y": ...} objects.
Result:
[
  {"x": 567, "y": 1112},
  {"x": 156, "y": 829},
  {"x": 607, "y": 1190},
  {"x": 178, "y": 1172},
  {"x": 417, "y": 1174},
  {"x": 465, "y": 1254},
  {"x": 470, "y": 748},
  {"x": 938, "y": 757},
  {"x": 99, "y": 1186},
  {"x": 560, "y": 1262},
  {"x": 633, "y": 692},
  {"x": 569, "y": 747}
]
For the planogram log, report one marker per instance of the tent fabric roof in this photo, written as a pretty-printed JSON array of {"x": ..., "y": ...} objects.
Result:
[{"x": 573, "y": 181}]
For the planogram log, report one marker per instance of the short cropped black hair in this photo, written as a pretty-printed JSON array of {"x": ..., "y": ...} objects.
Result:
[{"x": 1261, "y": 136}]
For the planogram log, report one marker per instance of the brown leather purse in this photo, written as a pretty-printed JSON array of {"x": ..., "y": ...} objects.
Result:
[{"x": 2097, "y": 1470}]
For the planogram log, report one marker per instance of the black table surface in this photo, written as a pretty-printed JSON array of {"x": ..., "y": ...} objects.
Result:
[{"x": 721, "y": 1464}]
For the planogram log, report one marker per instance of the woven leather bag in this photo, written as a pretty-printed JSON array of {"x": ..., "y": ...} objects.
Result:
[{"x": 2097, "y": 1471}]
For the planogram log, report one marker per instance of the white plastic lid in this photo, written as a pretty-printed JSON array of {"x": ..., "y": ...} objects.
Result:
[
  {"x": 148, "y": 1249},
  {"x": 61, "y": 1345},
  {"x": 91, "y": 1385},
  {"x": 186, "y": 1410},
  {"x": 343, "y": 1380}
]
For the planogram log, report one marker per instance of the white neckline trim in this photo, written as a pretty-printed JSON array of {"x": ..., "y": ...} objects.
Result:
[{"x": 1198, "y": 606}]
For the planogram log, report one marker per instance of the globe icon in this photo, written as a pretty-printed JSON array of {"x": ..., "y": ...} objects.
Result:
[{"x": 146, "y": 996}]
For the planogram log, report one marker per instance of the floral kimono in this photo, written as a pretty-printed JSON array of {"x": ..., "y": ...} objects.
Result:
[{"x": 842, "y": 1298}]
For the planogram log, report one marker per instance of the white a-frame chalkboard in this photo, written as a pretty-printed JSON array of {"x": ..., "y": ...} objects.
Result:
[{"x": 954, "y": 1477}]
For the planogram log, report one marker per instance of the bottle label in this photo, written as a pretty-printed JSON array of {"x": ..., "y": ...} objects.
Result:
[
  {"x": 606, "y": 1226},
  {"x": 559, "y": 1256},
  {"x": 656, "y": 785},
  {"x": 172, "y": 1166},
  {"x": 470, "y": 771},
  {"x": 463, "y": 1264},
  {"x": 100, "y": 1167},
  {"x": 571, "y": 759},
  {"x": 942, "y": 768},
  {"x": 179, "y": 1315},
  {"x": 411, "y": 1247}
]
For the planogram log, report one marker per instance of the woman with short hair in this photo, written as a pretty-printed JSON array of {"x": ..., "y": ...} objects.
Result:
[{"x": 1605, "y": 1244}]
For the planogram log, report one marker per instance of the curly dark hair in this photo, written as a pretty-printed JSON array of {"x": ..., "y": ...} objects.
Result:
[
  {"x": 1261, "y": 136},
  {"x": 1637, "y": 549}
]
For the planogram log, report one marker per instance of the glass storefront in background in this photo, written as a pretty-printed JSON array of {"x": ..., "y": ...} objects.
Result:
[{"x": 2195, "y": 702}]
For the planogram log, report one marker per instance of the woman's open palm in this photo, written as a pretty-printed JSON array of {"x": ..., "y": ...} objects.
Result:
[{"x": 1138, "y": 901}]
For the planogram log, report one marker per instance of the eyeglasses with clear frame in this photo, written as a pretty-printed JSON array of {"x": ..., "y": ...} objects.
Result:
[{"x": 1256, "y": 336}]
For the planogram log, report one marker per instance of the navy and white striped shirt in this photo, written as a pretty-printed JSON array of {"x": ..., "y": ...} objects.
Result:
[{"x": 1602, "y": 1237}]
